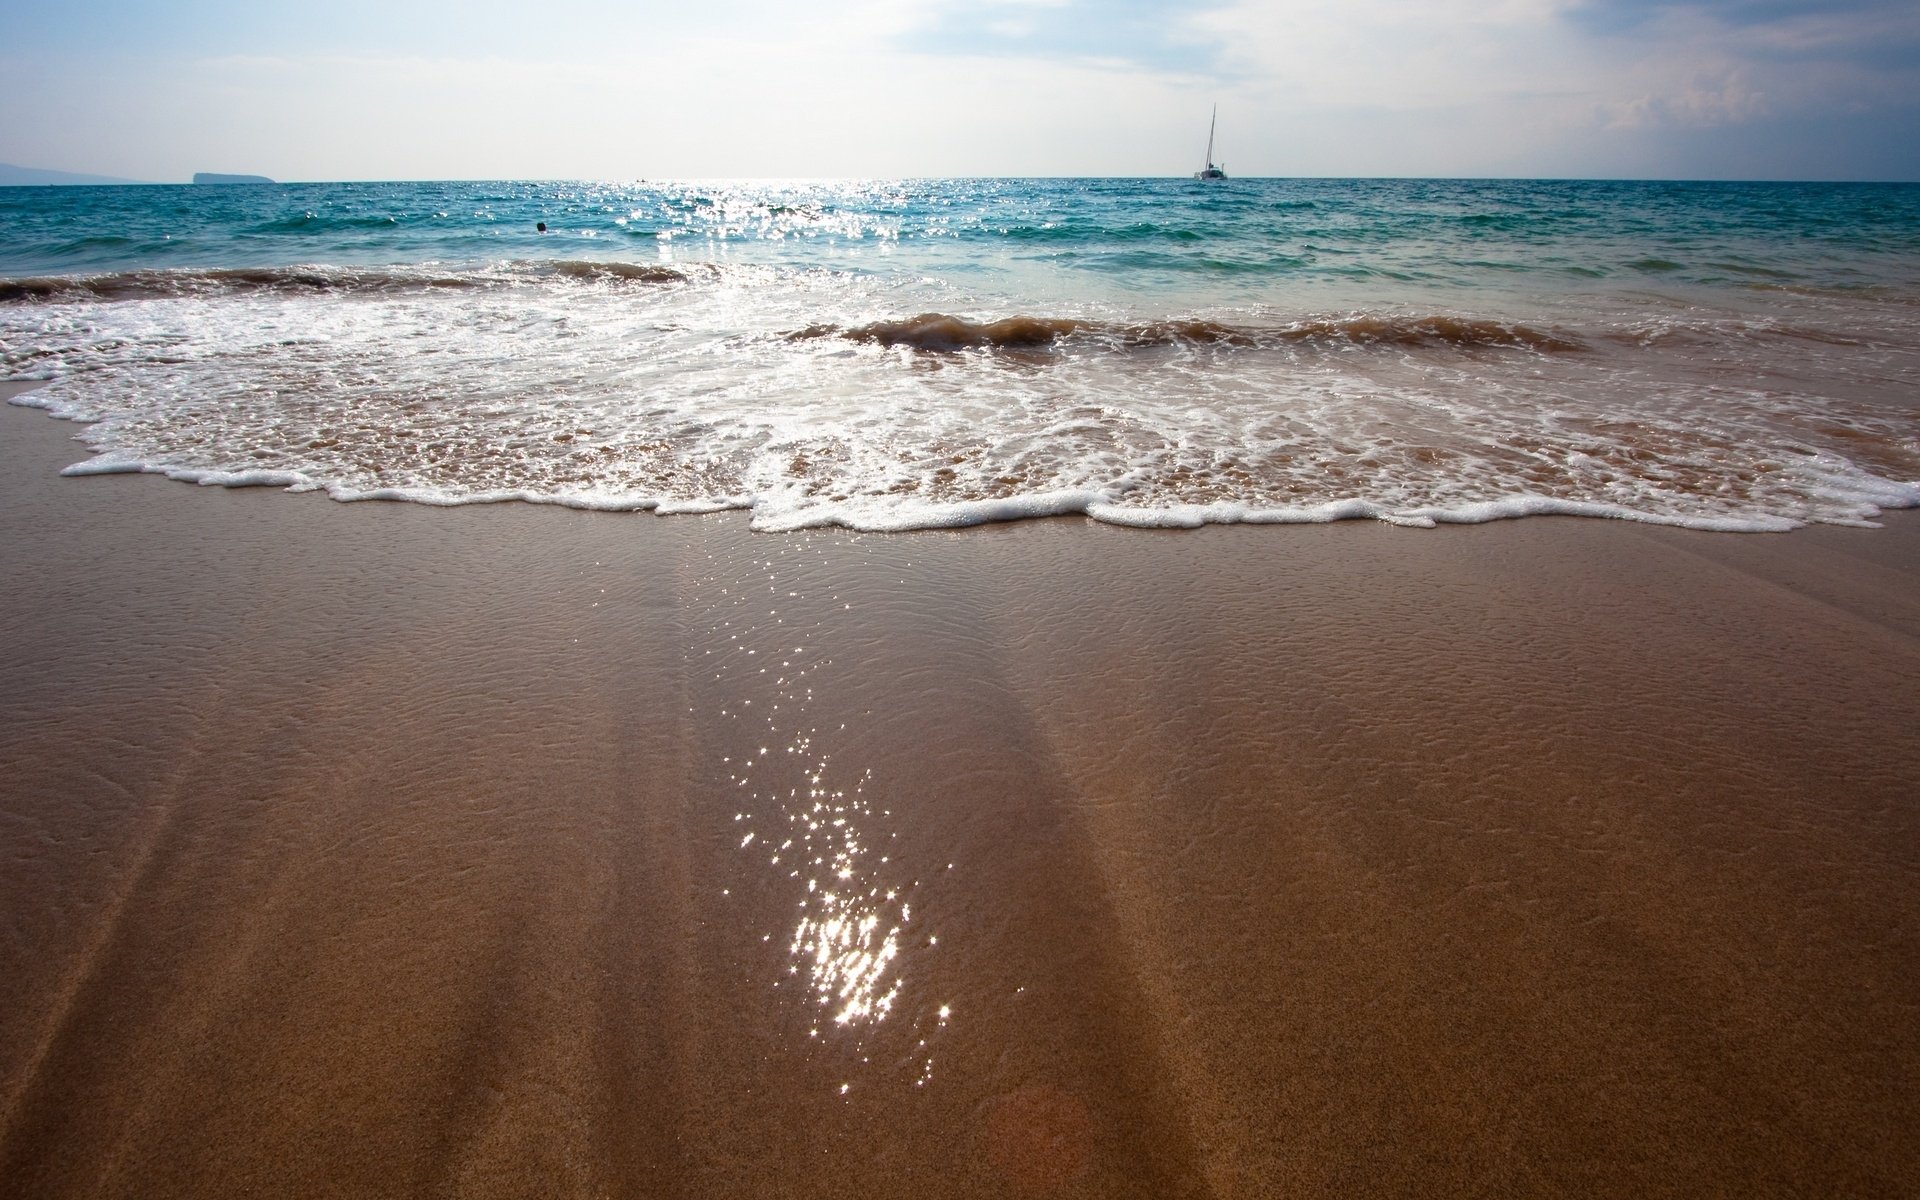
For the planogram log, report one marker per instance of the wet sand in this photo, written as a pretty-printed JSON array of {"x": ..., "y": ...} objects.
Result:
[{"x": 382, "y": 850}]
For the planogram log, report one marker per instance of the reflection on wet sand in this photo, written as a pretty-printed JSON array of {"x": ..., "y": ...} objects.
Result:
[{"x": 813, "y": 821}]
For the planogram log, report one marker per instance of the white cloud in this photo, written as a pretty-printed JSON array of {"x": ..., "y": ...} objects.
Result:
[
  {"x": 1702, "y": 103},
  {"x": 755, "y": 87}
]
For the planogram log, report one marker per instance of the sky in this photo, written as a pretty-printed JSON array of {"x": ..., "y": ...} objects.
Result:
[{"x": 628, "y": 89}]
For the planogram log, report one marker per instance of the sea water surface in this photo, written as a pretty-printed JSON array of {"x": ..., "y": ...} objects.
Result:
[{"x": 917, "y": 353}]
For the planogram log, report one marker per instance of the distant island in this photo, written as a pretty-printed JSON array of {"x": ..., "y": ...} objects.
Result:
[
  {"x": 12, "y": 176},
  {"x": 210, "y": 177}
]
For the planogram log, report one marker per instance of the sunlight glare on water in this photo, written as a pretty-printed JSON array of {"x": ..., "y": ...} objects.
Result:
[{"x": 809, "y": 821}]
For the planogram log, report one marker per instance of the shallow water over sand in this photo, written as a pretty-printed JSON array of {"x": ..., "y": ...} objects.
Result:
[{"x": 407, "y": 851}]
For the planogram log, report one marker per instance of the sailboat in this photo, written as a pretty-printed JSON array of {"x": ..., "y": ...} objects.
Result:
[{"x": 1210, "y": 171}]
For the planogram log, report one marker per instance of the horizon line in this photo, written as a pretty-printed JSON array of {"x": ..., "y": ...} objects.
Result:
[{"x": 1182, "y": 176}]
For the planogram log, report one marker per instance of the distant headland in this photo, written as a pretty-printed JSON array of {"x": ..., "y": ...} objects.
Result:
[
  {"x": 210, "y": 177},
  {"x": 13, "y": 176}
]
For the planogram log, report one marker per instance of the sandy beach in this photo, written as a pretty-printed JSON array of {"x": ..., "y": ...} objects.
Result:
[{"x": 387, "y": 850}]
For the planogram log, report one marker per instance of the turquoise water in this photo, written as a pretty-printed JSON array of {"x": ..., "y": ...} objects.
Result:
[
  {"x": 1133, "y": 235},
  {"x": 893, "y": 354}
]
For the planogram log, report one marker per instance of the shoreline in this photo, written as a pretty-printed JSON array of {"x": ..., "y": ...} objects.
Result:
[
  {"x": 1096, "y": 505},
  {"x": 380, "y": 849}
]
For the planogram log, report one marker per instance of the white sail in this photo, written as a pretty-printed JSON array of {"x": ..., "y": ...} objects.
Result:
[{"x": 1210, "y": 171}]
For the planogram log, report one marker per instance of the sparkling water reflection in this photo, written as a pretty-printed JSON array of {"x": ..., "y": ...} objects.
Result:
[{"x": 817, "y": 825}]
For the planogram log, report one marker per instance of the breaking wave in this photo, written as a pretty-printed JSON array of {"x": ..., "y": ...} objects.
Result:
[
  {"x": 943, "y": 333},
  {"x": 307, "y": 280}
]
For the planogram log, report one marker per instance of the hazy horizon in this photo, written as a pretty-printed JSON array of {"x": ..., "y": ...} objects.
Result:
[
  {"x": 88, "y": 179},
  {"x": 582, "y": 89}
]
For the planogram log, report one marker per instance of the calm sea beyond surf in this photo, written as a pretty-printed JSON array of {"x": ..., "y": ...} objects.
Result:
[{"x": 914, "y": 354}]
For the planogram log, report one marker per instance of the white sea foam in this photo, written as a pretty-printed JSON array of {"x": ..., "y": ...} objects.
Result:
[{"x": 826, "y": 397}]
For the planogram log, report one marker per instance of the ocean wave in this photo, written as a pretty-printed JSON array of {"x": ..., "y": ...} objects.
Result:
[
  {"x": 1854, "y": 499},
  {"x": 624, "y": 272},
  {"x": 311, "y": 223},
  {"x": 1133, "y": 264},
  {"x": 1439, "y": 330},
  {"x": 78, "y": 247},
  {"x": 945, "y": 333},
  {"x": 160, "y": 284}
]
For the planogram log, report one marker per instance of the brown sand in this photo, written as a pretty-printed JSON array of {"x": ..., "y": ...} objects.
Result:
[{"x": 382, "y": 850}]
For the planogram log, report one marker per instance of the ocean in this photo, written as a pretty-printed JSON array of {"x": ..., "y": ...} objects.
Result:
[{"x": 888, "y": 355}]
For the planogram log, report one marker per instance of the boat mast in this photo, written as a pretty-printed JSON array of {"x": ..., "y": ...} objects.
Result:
[{"x": 1210, "y": 124}]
